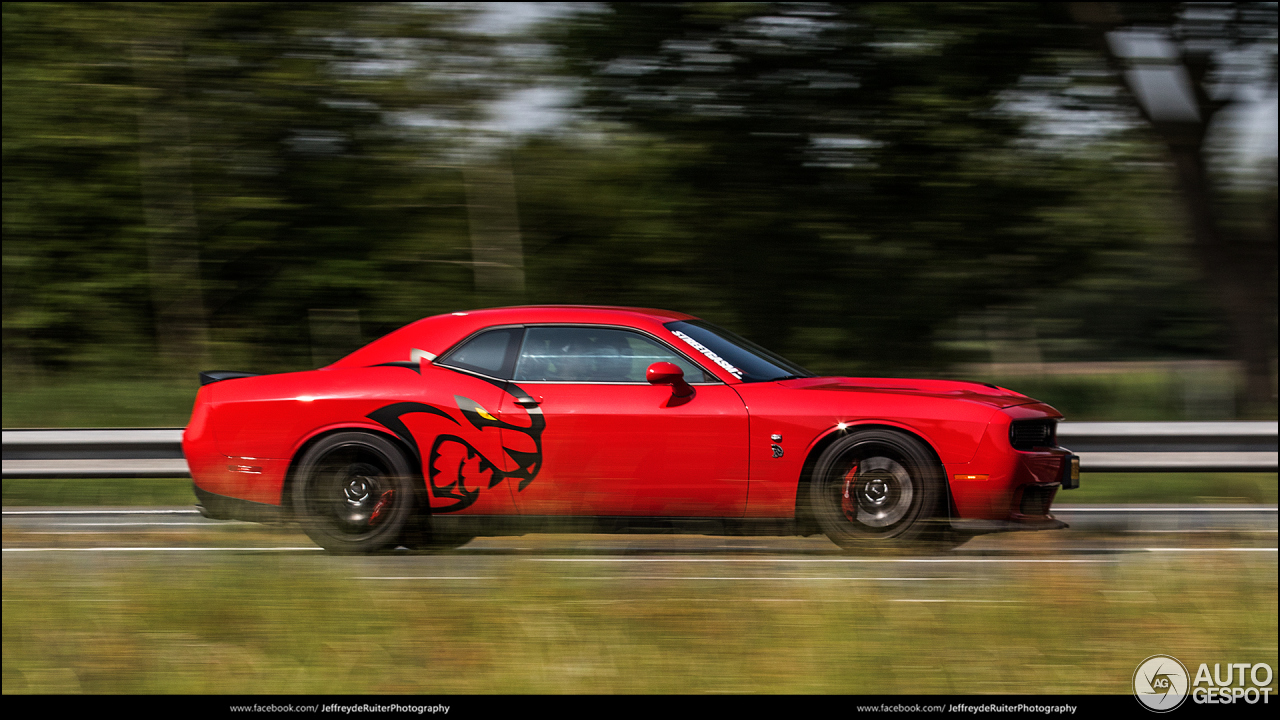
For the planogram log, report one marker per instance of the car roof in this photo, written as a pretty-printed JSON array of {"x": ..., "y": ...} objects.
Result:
[
  {"x": 438, "y": 333},
  {"x": 572, "y": 313}
]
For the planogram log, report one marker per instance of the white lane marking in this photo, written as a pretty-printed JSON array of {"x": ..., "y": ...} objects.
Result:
[
  {"x": 165, "y": 549},
  {"x": 1112, "y": 551},
  {"x": 1192, "y": 532},
  {"x": 694, "y": 600},
  {"x": 1234, "y": 549},
  {"x": 821, "y": 560},
  {"x": 1117, "y": 553},
  {"x": 1134, "y": 509},
  {"x": 660, "y": 577},
  {"x": 963, "y": 601},
  {"x": 427, "y": 577},
  {"x": 73, "y": 532},
  {"x": 101, "y": 512},
  {"x": 711, "y": 577},
  {"x": 133, "y": 524}
]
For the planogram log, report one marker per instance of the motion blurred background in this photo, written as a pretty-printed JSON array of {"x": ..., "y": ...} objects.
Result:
[{"x": 1077, "y": 200}]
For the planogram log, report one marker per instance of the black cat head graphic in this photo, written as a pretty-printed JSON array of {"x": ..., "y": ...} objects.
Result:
[{"x": 455, "y": 470}]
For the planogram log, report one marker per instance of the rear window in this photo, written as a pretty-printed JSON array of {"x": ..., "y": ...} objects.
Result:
[{"x": 489, "y": 353}]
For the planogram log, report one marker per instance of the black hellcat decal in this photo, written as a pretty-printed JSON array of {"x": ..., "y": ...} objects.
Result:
[{"x": 455, "y": 470}]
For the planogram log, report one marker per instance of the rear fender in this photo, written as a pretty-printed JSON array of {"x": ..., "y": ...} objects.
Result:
[{"x": 410, "y": 455}]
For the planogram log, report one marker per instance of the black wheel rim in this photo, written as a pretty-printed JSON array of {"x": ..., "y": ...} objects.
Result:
[
  {"x": 874, "y": 493},
  {"x": 352, "y": 491}
]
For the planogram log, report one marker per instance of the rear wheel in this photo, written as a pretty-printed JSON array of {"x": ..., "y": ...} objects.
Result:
[
  {"x": 877, "y": 489},
  {"x": 354, "y": 493}
]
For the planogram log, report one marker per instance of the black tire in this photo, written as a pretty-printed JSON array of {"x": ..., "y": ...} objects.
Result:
[
  {"x": 354, "y": 493},
  {"x": 878, "y": 489}
]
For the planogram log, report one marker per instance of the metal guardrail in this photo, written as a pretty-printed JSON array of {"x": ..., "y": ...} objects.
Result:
[
  {"x": 98, "y": 453},
  {"x": 1172, "y": 446},
  {"x": 1102, "y": 446}
]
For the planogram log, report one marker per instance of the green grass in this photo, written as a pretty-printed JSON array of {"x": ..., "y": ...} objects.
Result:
[
  {"x": 95, "y": 492},
  {"x": 76, "y": 402},
  {"x": 1196, "y": 488},
  {"x": 1133, "y": 398},
  {"x": 129, "y": 623}
]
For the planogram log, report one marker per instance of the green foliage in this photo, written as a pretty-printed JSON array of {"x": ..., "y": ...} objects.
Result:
[
  {"x": 850, "y": 180},
  {"x": 92, "y": 400},
  {"x": 307, "y": 191},
  {"x": 859, "y": 187}
]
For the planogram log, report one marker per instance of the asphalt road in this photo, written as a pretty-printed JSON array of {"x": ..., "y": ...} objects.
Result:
[
  {"x": 689, "y": 569},
  {"x": 1095, "y": 530},
  {"x": 763, "y": 569}
]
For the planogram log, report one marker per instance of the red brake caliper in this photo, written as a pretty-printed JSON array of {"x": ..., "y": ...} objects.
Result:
[
  {"x": 847, "y": 502},
  {"x": 377, "y": 509}
]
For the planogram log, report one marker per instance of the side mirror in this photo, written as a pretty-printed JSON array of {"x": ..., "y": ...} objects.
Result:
[{"x": 665, "y": 373}]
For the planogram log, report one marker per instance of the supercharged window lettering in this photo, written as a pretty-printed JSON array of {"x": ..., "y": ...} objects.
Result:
[{"x": 710, "y": 355}]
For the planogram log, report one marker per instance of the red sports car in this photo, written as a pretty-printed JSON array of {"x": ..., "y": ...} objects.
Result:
[{"x": 603, "y": 419}]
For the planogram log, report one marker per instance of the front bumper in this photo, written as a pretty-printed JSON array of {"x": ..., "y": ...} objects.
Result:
[{"x": 1013, "y": 490}]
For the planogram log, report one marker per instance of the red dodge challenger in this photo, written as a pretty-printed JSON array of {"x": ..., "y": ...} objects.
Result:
[{"x": 604, "y": 419}]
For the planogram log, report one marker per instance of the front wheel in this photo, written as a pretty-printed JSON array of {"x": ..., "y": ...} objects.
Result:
[
  {"x": 876, "y": 489},
  {"x": 354, "y": 493}
]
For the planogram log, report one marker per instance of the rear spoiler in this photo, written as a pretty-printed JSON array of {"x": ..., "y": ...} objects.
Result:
[{"x": 213, "y": 376}]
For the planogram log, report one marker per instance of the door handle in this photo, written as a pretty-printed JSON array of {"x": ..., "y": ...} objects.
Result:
[{"x": 528, "y": 402}]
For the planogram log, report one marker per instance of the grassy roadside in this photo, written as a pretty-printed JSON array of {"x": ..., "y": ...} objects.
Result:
[
  {"x": 285, "y": 624},
  {"x": 1159, "y": 488},
  {"x": 89, "y": 402},
  {"x": 61, "y": 492},
  {"x": 1096, "y": 488}
]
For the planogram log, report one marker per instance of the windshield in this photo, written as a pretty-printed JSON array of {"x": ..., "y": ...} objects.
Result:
[{"x": 742, "y": 358}]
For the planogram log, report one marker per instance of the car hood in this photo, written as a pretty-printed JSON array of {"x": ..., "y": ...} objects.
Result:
[{"x": 982, "y": 393}]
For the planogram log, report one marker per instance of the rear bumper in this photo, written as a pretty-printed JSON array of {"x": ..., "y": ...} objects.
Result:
[{"x": 221, "y": 507}]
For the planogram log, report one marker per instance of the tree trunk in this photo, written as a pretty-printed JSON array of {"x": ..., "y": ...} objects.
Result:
[
  {"x": 1240, "y": 270},
  {"x": 497, "y": 252},
  {"x": 173, "y": 254},
  {"x": 1240, "y": 275}
]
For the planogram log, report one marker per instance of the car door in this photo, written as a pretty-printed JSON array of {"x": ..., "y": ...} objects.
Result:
[
  {"x": 464, "y": 464},
  {"x": 610, "y": 443}
]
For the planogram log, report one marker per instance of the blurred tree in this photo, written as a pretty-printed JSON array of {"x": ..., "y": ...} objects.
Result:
[
  {"x": 853, "y": 185},
  {"x": 262, "y": 159},
  {"x": 853, "y": 176},
  {"x": 168, "y": 199},
  {"x": 1184, "y": 63}
]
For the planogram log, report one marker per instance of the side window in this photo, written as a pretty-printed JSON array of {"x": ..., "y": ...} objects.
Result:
[
  {"x": 587, "y": 354},
  {"x": 491, "y": 353}
]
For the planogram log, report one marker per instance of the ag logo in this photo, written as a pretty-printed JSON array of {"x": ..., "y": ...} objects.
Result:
[{"x": 1160, "y": 683}]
